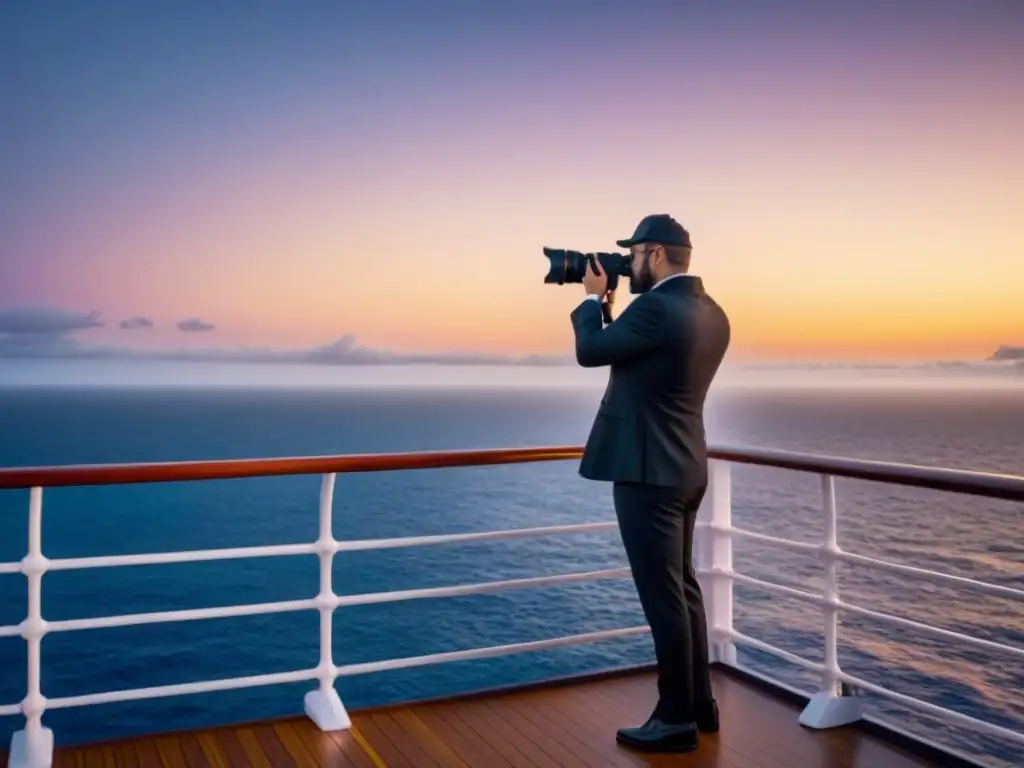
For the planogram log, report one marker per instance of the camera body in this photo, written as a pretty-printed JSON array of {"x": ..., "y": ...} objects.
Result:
[{"x": 570, "y": 266}]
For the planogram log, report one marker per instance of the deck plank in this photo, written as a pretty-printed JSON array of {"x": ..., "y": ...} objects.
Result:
[
  {"x": 409, "y": 721},
  {"x": 230, "y": 745},
  {"x": 570, "y": 725},
  {"x": 298, "y": 750},
  {"x": 461, "y": 738}
]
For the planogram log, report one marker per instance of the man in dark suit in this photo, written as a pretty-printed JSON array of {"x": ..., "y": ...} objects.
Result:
[{"x": 648, "y": 440}]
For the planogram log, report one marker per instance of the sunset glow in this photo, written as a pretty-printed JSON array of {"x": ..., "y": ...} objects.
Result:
[{"x": 852, "y": 176}]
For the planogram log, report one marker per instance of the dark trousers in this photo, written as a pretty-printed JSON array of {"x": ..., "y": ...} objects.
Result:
[{"x": 656, "y": 524}]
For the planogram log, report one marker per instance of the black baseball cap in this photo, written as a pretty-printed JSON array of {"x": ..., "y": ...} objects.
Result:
[{"x": 658, "y": 228}]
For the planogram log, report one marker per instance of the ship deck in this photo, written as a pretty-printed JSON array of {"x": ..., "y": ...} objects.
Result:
[{"x": 569, "y": 723}]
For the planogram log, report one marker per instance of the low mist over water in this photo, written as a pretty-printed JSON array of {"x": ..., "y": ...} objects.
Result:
[{"x": 104, "y": 373}]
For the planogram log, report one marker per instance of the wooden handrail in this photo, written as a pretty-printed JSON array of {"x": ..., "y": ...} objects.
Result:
[
  {"x": 158, "y": 472},
  {"x": 989, "y": 484},
  {"x": 992, "y": 485}
]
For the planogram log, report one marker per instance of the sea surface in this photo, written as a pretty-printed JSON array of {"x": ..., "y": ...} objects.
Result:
[{"x": 101, "y": 415}]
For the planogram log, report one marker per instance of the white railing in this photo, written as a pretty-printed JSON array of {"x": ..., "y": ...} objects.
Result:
[{"x": 33, "y": 745}]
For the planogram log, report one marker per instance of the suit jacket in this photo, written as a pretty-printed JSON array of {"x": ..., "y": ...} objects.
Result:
[{"x": 664, "y": 351}]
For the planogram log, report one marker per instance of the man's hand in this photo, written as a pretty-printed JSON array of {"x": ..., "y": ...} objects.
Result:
[
  {"x": 609, "y": 299},
  {"x": 595, "y": 283}
]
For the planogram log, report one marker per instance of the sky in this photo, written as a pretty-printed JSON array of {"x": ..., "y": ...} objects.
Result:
[{"x": 377, "y": 180}]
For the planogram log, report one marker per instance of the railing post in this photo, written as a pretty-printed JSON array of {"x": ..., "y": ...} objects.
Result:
[
  {"x": 323, "y": 706},
  {"x": 32, "y": 747},
  {"x": 717, "y": 557},
  {"x": 829, "y": 708}
]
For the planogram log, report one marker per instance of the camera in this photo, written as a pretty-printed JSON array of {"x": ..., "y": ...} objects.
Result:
[{"x": 570, "y": 266}]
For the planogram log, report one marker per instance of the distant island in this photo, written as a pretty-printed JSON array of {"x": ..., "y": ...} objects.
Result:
[{"x": 1008, "y": 353}]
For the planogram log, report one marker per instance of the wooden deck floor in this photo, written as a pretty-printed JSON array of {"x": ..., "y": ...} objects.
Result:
[{"x": 568, "y": 725}]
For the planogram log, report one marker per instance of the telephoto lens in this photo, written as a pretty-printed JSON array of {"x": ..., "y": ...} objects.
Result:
[{"x": 570, "y": 266}]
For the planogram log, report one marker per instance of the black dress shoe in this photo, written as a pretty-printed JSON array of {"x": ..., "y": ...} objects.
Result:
[
  {"x": 658, "y": 736},
  {"x": 707, "y": 718}
]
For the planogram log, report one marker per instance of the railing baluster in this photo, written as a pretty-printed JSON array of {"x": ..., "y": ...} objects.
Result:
[
  {"x": 718, "y": 558},
  {"x": 32, "y": 747},
  {"x": 830, "y": 677},
  {"x": 829, "y": 708},
  {"x": 323, "y": 706}
]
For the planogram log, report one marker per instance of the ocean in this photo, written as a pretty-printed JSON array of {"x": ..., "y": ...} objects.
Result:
[{"x": 112, "y": 413}]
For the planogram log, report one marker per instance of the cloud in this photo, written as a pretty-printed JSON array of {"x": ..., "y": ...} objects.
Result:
[
  {"x": 49, "y": 333},
  {"x": 195, "y": 325},
  {"x": 43, "y": 321},
  {"x": 44, "y": 333},
  {"x": 344, "y": 351},
  {"x": 134, "y": 323}
]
